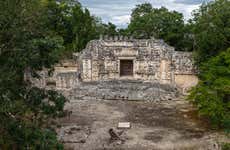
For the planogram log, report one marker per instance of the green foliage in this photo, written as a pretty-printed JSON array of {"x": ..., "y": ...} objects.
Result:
[
  {"x": 212, "y": 94},
  {"x": 28, "y": 137},
  {"x": 27, "y": 43},
  {"x": 159, "y": 23},
  {"x": 25, "y": 121},
  {"x": 63, "y": 20},
  {"x": 106, "y": 29},
  {"x": 75, "y": 25},
  {"x": 226, "y": 146},
  {"x": 211, "y": 28}
]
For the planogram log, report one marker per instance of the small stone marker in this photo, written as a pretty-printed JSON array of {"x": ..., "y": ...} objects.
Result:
[{"x": 124, "y": 125}]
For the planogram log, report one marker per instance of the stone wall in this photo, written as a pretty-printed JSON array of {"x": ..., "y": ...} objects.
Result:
[
  {"x": 153, "y": 60},
  {"x": 183, "y": 63},
  {"x": 184, "y": 70},
  {"x": 185, "y": 81},
  {"x": 40, "y": 80},
  {"x": 64, "y": 76},
  {"x": 123, "y": 90}
]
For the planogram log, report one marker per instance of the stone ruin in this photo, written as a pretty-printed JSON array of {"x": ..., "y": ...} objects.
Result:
[{"x": 123, "y": 68}]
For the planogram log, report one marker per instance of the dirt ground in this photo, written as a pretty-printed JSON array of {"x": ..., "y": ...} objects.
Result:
[{"x": 168, "y": 125}]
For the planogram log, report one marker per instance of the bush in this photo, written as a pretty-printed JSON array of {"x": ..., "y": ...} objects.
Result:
[
  {"x": 226, "y": 146},
  {"x": 212, "y": 94}
]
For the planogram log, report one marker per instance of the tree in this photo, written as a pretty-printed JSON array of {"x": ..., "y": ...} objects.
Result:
[
  {"x": 109, "y": 29},
  {"x": 212, "y": 94},
  {"x": 26, "y": 42},
  {"x": 141, "y": 10},
  {"x": 160, "y": 23},
  {"x": 211, "y": 28},
  {"x": 75, "y": 24},
  {"x": 72, "y": 22}
]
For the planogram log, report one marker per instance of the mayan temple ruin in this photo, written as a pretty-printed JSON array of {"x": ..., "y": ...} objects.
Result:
[{"x": 123, "y": 68}]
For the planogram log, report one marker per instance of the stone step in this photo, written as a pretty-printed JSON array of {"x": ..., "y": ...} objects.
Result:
[{"x": 123, "y": 90}]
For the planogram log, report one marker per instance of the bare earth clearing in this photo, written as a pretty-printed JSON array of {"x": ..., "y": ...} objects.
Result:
[{"x": 154, "y": 126}]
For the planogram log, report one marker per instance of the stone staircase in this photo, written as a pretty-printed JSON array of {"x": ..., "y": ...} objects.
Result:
[{"x": 122, "y": 90}]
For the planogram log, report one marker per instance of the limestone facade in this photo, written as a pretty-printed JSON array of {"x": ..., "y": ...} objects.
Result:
[
  {"x": 122, "y": 58},
  {"x": 152, "y": 60}
]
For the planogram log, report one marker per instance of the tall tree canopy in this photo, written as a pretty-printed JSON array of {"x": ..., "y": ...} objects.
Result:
[
  {"x": 109, "y": 29},
  {"x": 211, "y": 28},
  {"x": 73, "y": 23},
  {"x": 27, "y": 43},
  {"x": 147, "y": 21},
  {"x": 212, "y": 94}
]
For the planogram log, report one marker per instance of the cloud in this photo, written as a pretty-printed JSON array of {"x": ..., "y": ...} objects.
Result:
[
  {"x": 118, "y": 11},
  {"x": 121, "y": 20},
  {"x": 191, "y": 2},
  {"x": 115, "y": 11}
]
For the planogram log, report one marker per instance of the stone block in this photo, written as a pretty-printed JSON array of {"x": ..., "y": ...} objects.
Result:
[{"x": 124, "y": 125}]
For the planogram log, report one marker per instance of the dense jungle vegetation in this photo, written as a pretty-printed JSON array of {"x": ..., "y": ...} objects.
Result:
[{"x": 38, "y": 33}]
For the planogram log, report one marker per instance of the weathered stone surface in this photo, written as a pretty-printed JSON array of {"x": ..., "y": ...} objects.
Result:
[
  {"x": 123, "y": 90},
  {"x": 153, "y": 60},
  {"x": 154, "y": 70}
]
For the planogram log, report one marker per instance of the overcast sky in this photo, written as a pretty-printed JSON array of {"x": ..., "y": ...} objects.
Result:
[{"x": 118, "y": 11}]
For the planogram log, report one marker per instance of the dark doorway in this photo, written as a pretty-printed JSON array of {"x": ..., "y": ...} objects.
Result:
[{"x": 126, "y": 67}]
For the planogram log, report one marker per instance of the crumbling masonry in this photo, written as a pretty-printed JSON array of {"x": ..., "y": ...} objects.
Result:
[{"x": 110, "y": 62}]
